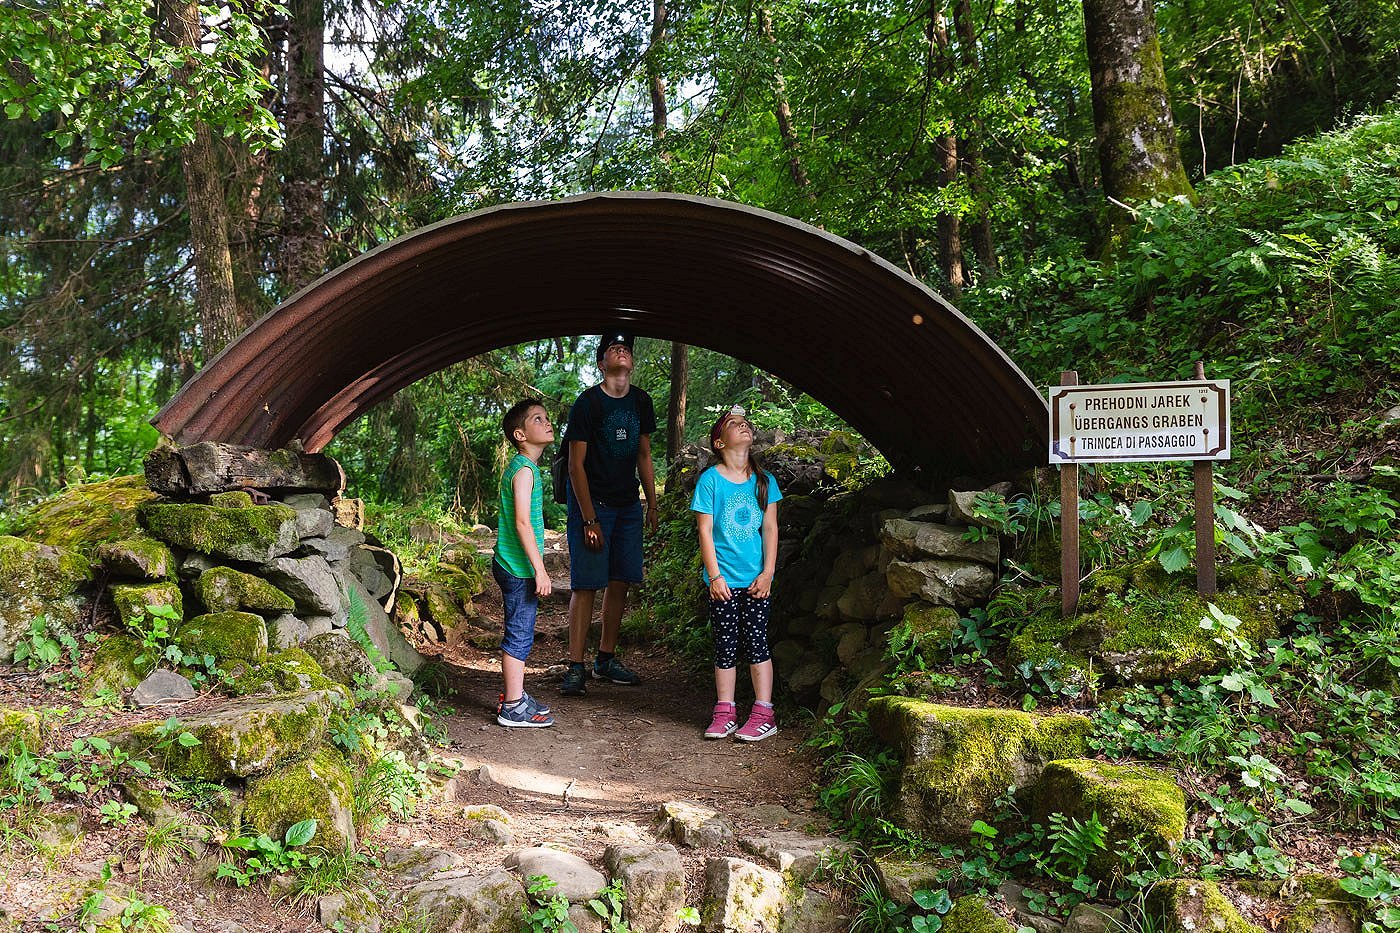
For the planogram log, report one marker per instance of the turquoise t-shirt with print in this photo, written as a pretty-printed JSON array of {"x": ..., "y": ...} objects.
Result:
[{"x": 738, "y": 524}]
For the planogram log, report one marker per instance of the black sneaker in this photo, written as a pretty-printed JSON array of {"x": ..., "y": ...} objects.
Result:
[
  {"x": 615, "y": 671},
  {"x": 575, "y": 681}
]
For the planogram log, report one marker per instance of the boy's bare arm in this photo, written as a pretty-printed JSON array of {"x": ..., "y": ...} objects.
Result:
[
  {"x": 522, "y": 484},
  {"x": 648, "y": 474},
  {"x": 578, "y": 479}
]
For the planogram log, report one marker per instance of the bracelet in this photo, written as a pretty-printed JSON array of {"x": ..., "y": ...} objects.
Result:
[{"x": 589, "y": 522}]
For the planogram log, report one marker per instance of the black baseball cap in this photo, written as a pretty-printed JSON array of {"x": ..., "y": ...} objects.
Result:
[{"x": 611, "y": 337}]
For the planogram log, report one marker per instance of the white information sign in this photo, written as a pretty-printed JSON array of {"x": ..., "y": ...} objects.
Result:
[{"x": 1140, "y": 421}]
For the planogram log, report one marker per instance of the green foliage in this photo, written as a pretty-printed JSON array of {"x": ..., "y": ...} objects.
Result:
[
  {"x": 608, "y": 906},
  {"x": 551, "y": 911},
  {"x": 39, "y": 648},
  {"x": 1366, "y": 875},
  {"x": 244, "y": 859}
]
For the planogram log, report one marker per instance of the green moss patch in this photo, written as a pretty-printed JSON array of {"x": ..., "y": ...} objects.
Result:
[
  {"x": 37, "y": 580},
  {"x": 82, "y": 517},
  {"x": 115, "y": 666},
  {"x": 255, "y": 533},
  {"x": 137, "y": 558},
  {"x": 286, "y": 672},
  {"x": 971, "y": 914},
  {"x": 225, "y": 636},
  {"x": 221, "y": 589},
  {"x": 132, "y": 601},
  {"x": 319, "y": 788},
  {"x": 1137, "y": 625},
  {"x": 958, "y": 761},
  {"x": 1133, "y": 803},
  {"x": 1190, "y": 905}
]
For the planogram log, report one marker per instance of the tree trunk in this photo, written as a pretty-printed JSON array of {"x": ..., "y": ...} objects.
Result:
[
  {"x": 783, "y": 112},
  {"x": 303, "y": 255},
  {"x": 1138, "y": 154},
  {"x": 680, "y": 353},
  {"x": 675, "y": 408},
  {"x": 971, "y": 149},
  {"x": 950, "y": 254},
  {"x": 219, "y": 317}
]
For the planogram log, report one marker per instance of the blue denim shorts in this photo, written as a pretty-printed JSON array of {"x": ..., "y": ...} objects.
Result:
[
  {"x": 520, "y": 604},
  {"x": 621, "y": 556}
]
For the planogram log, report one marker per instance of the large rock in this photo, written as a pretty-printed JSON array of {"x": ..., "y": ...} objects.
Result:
[
  {"x": 162, "y": 687},
  {"x": 340, "y": 659},
  {"x": 320, "y": 788},
  {"x": 957, "y": 762},
  {"x": 941, "y": 582},
  {"x": 799, "y": 856},
  {"x": 365, "y": 614},
  {"x": 133, "y": 602},
  {"x": 742, "y": 896},
  {"x": 212, "y": 467},
  {"x": 225, "y": 636},
  {"x": 82, "y": 518},
  {"x": 694, "y": 825},
  {"x": 254, "y": 533},
  {"x": 1189, "y": 905},
  {"x": 222, "y": 588},
  {"x": 489, "y": 904},
  {"x": 909, "y": 540},
  {"x": 241, "y": 739},
  {"x": 653, "y": 882},
  {"x": 139, "y": 557},
  {"x": 377, "y": 568},
  {"x": 574, "y": 879},
  {"x": 1132, "y": 802},
  {"x": 120, "y": 662},
  {"x": 417, "y": 863},
  {"x": 310, "y": 582},
  {"x": 37, "y": 581}
]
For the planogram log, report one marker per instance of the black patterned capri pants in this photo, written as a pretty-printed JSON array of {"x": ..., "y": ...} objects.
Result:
[{"x": 740, "y": 624}]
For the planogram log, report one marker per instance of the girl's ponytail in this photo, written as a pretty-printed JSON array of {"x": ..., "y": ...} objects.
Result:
[{"x": 760, "y": 490}]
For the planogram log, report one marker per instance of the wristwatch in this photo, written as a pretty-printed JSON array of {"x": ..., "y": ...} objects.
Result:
[{"x": 587, "y": 523}]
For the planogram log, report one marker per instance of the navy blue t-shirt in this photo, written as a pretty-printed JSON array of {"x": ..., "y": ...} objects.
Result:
[{"x": 611, "y": 461}]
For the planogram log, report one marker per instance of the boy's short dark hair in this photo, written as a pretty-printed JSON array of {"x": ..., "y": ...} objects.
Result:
[{"x": 514, "y": 419}]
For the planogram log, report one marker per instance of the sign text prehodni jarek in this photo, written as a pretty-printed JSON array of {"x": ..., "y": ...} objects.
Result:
[{"x": 1140, "y": 421}]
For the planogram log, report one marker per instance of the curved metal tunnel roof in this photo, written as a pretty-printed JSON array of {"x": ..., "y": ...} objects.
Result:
[{"x": 882, "y": 351}]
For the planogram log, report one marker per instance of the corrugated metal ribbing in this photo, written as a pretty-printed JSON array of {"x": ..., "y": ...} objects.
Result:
[{"x": 807, "y": 306}]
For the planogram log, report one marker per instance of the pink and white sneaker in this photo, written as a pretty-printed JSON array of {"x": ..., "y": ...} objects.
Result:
[
  {"x": 760, "y": 726},
  {"x": 723, "y": 721}
]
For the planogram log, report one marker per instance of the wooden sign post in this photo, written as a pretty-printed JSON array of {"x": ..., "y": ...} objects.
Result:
[{"x": 1138, "y": 421}]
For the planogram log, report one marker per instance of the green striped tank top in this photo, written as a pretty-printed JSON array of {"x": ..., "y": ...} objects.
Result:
[{"x": 509, "y": 552}]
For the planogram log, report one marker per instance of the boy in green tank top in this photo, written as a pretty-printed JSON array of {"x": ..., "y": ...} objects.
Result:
[{"x": 518, "y": 565}]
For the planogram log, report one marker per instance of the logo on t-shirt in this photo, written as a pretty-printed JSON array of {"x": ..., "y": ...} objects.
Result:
[
  {"x": 740, "y": 516},
  {"x": 621, "y": 428}
]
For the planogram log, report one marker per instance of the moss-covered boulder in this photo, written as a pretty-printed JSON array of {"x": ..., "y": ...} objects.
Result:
[
  {"x": 930, "y": 629},
  {"x": 221, "y": 589},
  {"x": 133, "y": 600},
  {"x": 20, "y": 727},
  {"x": 972, "y": 914},
  {"x": 478, "y": 904},
  {"x": 1317, "y": 904},
  {"x": 241, "y": 739},
  {"x": 248, "y": 533},
  {"x": 320, "y": 788},
  {"x": 119, "y": 664},
  {"x": 341, "y": 659},
  {"x": 957, "y": 762},
  {"x": 1138, "y": 625},
  {"x": 1189, "y": 905},
  {"x": 81, "y": 518},
  {"x": 225, "y": 636},
  {"x": 286, "y": 671},
  {"x": 1142, "y": 809},
  {"x": 139, "y": 557},
  {"x": 37, "y": 580}
]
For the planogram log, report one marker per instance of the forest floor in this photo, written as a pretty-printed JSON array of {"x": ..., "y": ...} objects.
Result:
[{"x": 598, "y": 776}]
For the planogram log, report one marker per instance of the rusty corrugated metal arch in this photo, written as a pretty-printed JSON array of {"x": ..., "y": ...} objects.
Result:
[{"x": 881, "y": 350}]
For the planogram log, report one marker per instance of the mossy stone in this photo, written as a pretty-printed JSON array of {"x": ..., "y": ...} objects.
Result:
[
  {"x": 139, "y": 557},
  {"x": 221, "y": 589},
  {"x": 85, "y": 516},
  {"x": 1134, "y": 803},
  {"x": 933, "y": 628},
  {"x": 341, "y": 659},
  {"x": 225, "y": 636},
  {"x": 957, "y": 762},
  {"x": 237, "y": 499},
  {"x": 20, "y": 726},
  {"x": 320, "y": 788},
  {"x": 1191, "y": 905},
  {"x": 133, "y": 599},
  {"x": 971, "y": 914},
  {"x": 37, "y": 580},
  {"x": 116, "y": 666},
  {"x": 1320, "y": 905},
  {"x": 286, "y": 672},
  {"x": 256, "y": 533},
  {"x": 244, "y": 738},
  {"x": 1138, "y": 625}
]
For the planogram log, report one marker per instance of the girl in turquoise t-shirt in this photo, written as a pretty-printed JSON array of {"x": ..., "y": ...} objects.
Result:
[{"x": 736, "y": 512}]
